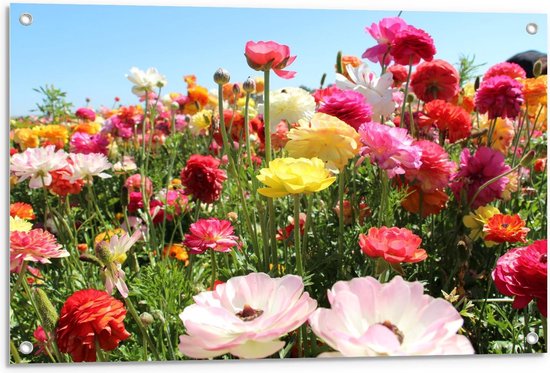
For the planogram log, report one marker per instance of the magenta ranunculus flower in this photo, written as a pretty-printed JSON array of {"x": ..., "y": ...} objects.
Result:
[
  {"x": 384, "y": 32},
  {"x": 265, "y": 55},
  {"x": 513, "y": 70},
  {"x": 85, "y": 113},
  {"x": 212, "y": 234},
  {"x": 499, "y": 96},
  {"x": 246, "y": 317},
  {"x": 475, "y": 170},
  {"x": 85, "y": 143},
  {"x": 348, "y": 106},
  {"x": 368, "y": 318},
  {"x": 411, "y": 45},
  {"x": 36, "y": 164},
  {"x": 436, "y": 168},
  {"x": 37, "y": 245},
  {"x": 390, "y": 148},
  {"x": 522, "y": 273}
]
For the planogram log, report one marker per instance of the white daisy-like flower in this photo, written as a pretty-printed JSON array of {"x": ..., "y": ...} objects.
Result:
[
  {"x": 378, "y": 91},
  {"x": 145, "y": 81},
  {"x": 36, "y": 164},
  {"x": 86, "y": 166},
  {"x": 291, "y": 104}
]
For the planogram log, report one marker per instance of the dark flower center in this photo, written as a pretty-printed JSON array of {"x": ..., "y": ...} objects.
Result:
[
  {"x": 543, "y": 258},
  {"x": 505, "y": 225},
  {"x": 398, "y": 333},
  {"x": 248, "y": 313}
]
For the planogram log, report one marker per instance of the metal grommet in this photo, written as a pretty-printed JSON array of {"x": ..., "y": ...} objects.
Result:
[
  {"x": 25, "y": 19},
  {"x": 532, "y": 338},
  {"x": 532, "y": 28},
  {"x": 26, "y": 347}
]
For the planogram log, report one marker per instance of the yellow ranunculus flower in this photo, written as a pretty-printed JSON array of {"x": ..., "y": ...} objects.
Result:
[
  {"x": 325, "y": 137},
  {"x": 19, "y": 225},
  {"x": 26, "y": 138},
  {"x": 477, "y": 219},
  {"x": 503, "y": 133},
  {"x": 200, "y": 122},
  {"x": 286, "y": 176},
  {"x": 54, "y": 133}
]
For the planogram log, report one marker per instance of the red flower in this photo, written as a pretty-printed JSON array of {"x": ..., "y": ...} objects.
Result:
[
  {"x": 453, "y": 120},
  {"x": 22, "y": 210},
  {"x": 540, "y": 165},
  {"x": 437, "y": 79},
  {"x": 435, "y": 170},
  {"x": 90, "y": 317},
  {"x": 41, "y": 339},
  {"x": 505, "y": 228},
  {"x": 202, "y": 178},
  {"x": 410, "y": 45},
  {"x": 86, "y": 114},
  {"x": 288, "y": 232},
  {"x": 395, "y": 245},
  {"x": 61, "y": 186},
  {"x": 234, "y": 121},
  {"x": 265, "y": 55},
  {"x": 523, "y": 273},
  {"x": 399, "y": 74},
  {"x": 432, "y": 202},
  {"x": 499, "y": 96}
]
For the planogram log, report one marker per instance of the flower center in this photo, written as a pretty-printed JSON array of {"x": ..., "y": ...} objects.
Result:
[
  {"x": 398, "y": 333},
  {"x": 505, "y": 225},
  {"x": 248, "y": 313},
  {"x": 543, "y": 258}
]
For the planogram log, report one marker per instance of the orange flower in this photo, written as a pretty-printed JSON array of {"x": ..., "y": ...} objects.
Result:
[
  {"x": 259, "y": 85},
  {"x": 432, "y": 202},
  {"x": 191, "y": 80},
  {"x": 534, "y": 91},
  {"x": 54, "y": 134},
  {"x": 178, "y": 252},
  {"x": 505, "y": 228},
  {"x": 352, "y": 61},
  {"x": 91, "y": 128},
  {"x": 21, "y": 210},
  {"x": 26, "y": 138},
  {"x": 198, "y": 98}
]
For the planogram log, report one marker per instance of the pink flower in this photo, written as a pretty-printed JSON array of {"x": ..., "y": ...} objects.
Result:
[
  {"x": 41, "y": 338},
  {"x": 86, "y": 166},
  {"x": 436, "y": 79},
  {"x": 475, "y": 171},
  {"x": 348, "y": 106},
  {"x": 390, "y": 147},
  {"x": 86, "y": 114},
  {"x": 265, "y": 55},
  {"x": 36, "y": 164},
  {"x": 513, "y": 70},
  {"x": 395, "y": 245},
  {"x": 210, "y": 234},
  {"x": 436, "y": 168},
  {"x": 84, "y": 143},
  {"x": 410, "y": 45},
  {"x": 37, "y": 245},
  {"x": 499, "y": 96},
  {"x": 384, "y": 32},
  {"x": 246, "y": 316},
  {"x": 523, "y": 273},
  {"x": 133, "y": 184},
  {"x": 368, "y": 318}
]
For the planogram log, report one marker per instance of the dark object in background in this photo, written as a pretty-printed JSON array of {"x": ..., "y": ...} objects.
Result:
[{"x": 527, "y": 60}]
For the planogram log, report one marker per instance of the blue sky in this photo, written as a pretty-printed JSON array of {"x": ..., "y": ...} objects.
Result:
[{"x": 87, "y": 50}]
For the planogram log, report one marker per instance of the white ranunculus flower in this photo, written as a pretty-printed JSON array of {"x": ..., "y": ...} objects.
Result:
[
  {"x": 145, "y": 81},
  {"x": 291, "y": 104}
]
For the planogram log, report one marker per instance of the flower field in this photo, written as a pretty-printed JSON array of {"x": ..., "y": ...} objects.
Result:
[{"x": 380, "y": 214}]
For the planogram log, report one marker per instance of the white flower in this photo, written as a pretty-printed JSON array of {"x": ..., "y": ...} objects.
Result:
[
  {"x": 125, "y": 165},
  {"x": 145, "y": 81},
  {"x": 378, "y": 92},
  {"x": 86, "y": 166},
  {"x": 36, "y": 164},
  {"x": 290, "y": 104},
  {"x": 113, "y": 272}
]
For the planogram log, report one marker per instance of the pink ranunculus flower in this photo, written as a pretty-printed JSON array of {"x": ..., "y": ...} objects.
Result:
[
  {"x": 246, "y": 316},
  {"x": 85, "y": 113},
  {"x": 391, "y": 148},
  {"x": 264, "y": 55},
  {"x": 84, "y": 143},
  {"x": 522, "y": 273},
  {"x": 368, "y": 318},
  {"x": 395, "y": 245},
  {"x": 499, "y": 96},
  {"x": 133, "y": 184},
  {"x": 348, "y": 106},
  {"x": 36, "y": 164},
  {"x": 410, "y": 45},
  {"x": 86, "y": 166},
  {"x": 37, "y": 245},
  {"x": 436, "y": 169},
  {"x": 384, "y": 32},
  {"x": 212, "y": 234}
]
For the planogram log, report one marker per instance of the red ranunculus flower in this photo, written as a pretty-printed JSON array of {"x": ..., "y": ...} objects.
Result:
[
  {"x": 399, "y": 74},
  {"x": 433, "y": 80},
  {"x": 411, "y": 45},
  {"x": 265, "y": 55},
  {"x": 202, "y": 178},
  {"x": 505, "y": 228},
  {"x": 395, "y": 245},
  {"x": 88, "y": 318},
  {"x": 522, "y": 273}
]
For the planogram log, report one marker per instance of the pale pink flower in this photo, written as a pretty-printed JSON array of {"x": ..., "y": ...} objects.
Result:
[
  {"x": 212, "y": 234},
  {"x": 384, "y": 32},
  {"x": 246, "y": 317},
  {"x": 36, "y": 164},
  {"x": 391, "y": 148},
  {"x": 36, "y": 245},
  {"x": 86, "y": 166},
  {"x": 368, "y": 318}
]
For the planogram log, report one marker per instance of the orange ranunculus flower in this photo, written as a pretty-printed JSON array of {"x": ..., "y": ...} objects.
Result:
[
  {"x": 54, "y": 134},
  {"x": 534, "y": 91},
  {"x": 26, "y": 138},
  {"x": 91, "y": 128},
  {"x": 505, "y": 228},
  {"x": 395, "y": 245},
  {"x": 503, "y": 134},
  {"x": 353, "y": 61},
  {"x": 432, "y": 202},
  {"x": 177, "y": 251},
  {"x": 22, "y": 210},
  {"x": 191, "y": 80},
  {"x": 259, "y": 85},
  {"x": 199, "y": 95}
]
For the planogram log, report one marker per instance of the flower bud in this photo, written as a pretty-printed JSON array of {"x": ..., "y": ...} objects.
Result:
[
  {"x": 339, "y": 65},
  {"x": 477, "y": 83},
  {"x": 236, "y": 89},
  {"x": 249, "y": 85},
  {"x": 146, "y": 318},
  {"x": 537, "y": 68},
  {"x": 103, "y": 253},
  {"x": 174, "y": 106},
  {"x": 410, "y": 98},
  {"x": 45, "y": 308},
  {"x": 221, "y": 76}
]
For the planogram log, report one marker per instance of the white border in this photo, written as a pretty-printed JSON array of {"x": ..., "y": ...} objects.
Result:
[{"x": 523, "y": 364}]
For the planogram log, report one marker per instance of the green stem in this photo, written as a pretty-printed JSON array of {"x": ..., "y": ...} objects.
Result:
[
  {"x": 214, "y": 267},
  {"x": 299, "y": 264},
  {"x": 141, "y": 327},
  {"x": 341, "y": 185},
  {"x": 247, "y": 131},
  {"x": 267, "y": 124},
  {"x": 402, "y": 122},
  {"x": 14, "y": 353}
]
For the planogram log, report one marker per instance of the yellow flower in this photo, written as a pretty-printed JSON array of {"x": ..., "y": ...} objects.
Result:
[
  {"x": 293, "y": 176},
  {"x": 477, "y": 219},
  {"x": 53, "y": 133},
  {"x": 503, "y": 134},
  {"x": 200, "y": 122},
  {"x": 26, "y": 138},
  {"x": 19, "y": 225},
  {"x": 106, "y": 236},
  {"x": 325, "y": 137},
  {"x": 91, "y": 128}
]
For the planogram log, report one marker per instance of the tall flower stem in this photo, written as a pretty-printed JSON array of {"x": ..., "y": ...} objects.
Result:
[
  {"x": 214, "y": 267},
  {"x": 247, "y": 130},
  {"x": 384, "y": 192},
  {"x": 341, "y": 185},
  {"x": 403, "y": 111},
  {"x": 141, "y": 327},
  {"x": 14, "y": 353},
  {"x": 299, "y": 264}
]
